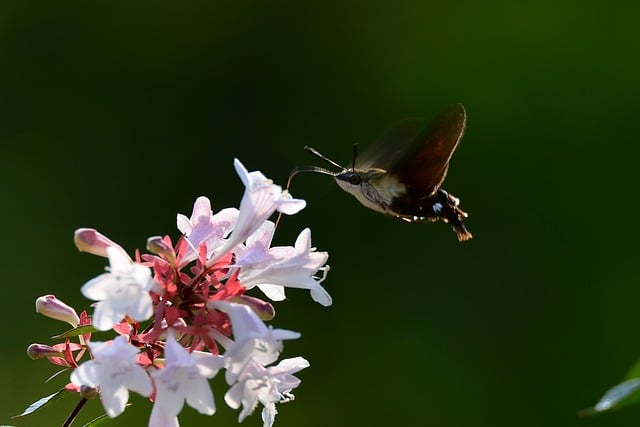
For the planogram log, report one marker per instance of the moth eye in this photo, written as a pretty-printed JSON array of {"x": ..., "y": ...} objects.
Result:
[{"x": 355, "y": 179}]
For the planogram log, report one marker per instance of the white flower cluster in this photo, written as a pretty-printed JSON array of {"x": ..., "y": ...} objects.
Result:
[{"x": 174, "y": 310}]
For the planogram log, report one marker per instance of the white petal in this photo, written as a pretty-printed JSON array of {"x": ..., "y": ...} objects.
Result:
[
  {"x": 84, "y": 375},
  {"x": 208, "y": 364},
  {"x": 250, "y": 398},
  {"x": 114, "y": 400},
  {"x": 245, "y": 322},
  {"x": 142, "y": 276},
  {"x": 184, "y": 225},
  {"x": 96, "y": 288},
  {"x": 200, "y": 397},
  {"x": 320, "y": 295},
  {"x": 224, "y": 220},
  {"x": 201, "y": 210},
  {"x": 273, "y": 292},
  {"x": 237, "y": 358},
  {"x": 233, "y": 397},
  {"x": 142, "y": 308},
  {"x": 285, "y": 334},
  {"x": 291, "y": 206},
  {"x": 118, "y": 260},
  {"x": 175, "y": 353},
  {"x": 293, "y": 364},
  {"x": 269, "y": 414},
  {"x": 160, "y": 418},
  {"x": 139, "y": 381},
  {"x": 104, "y": 316},
  {"x": 303, "y": 241},
  {"x": 262, "y": 235},
  {"x": 242, "y": 172},
  {"x": 170, "y": 393}
]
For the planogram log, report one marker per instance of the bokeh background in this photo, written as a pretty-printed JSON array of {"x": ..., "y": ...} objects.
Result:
[{"x": 117, "y": 115}]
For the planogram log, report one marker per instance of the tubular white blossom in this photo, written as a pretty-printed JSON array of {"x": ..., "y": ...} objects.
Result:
[
  {"x": 253, "y": 339},
  {"x": 260, "y": 200},
  {"x": 114, "y": 371},
  {"x": 271, "y": 385},
  {"x": 271, "y": 270},
  {"x": 124, "y": 291},
  {"x": 183, "y": 378}
]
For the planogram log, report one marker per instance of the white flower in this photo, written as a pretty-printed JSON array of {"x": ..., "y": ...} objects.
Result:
[
  {"x": 268, "y": 386},
  {"x": 204, "y": 227},
  {"x": 260, "y": 200},
  {"x": 114, "y": 371},
  {"x": 123, "y": 291},
  {"x": 253, "y": 339},
  {"x": 273, "y": 269},
  {"x": 184, "y": 377}
]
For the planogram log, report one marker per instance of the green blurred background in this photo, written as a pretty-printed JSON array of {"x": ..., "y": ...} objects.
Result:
[{"x": 117, "y": 115}]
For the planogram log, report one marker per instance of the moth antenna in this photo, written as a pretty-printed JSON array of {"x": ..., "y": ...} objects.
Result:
[
  {"x": 325, "y": 158},
  {"x": 355, "y": 154}
]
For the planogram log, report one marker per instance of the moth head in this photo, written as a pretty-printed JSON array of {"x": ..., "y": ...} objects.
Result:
[
  {"x": 350, "y": 178},
  {"x": 354, "y": 180}
]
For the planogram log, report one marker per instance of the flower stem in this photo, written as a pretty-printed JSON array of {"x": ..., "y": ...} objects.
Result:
[{"x": 72, "y": 416}]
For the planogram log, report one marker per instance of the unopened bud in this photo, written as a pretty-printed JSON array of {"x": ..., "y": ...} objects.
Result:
[
  {"x": 52, "y": 307},
  {"x": 41, "y": 351},
  {"x": 158, "y": 246},
  {"x": 263, "y": 309},
  {"x": 90, "y": 240}
]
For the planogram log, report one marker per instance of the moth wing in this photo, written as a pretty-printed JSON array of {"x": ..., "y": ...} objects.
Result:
[
  {"x": 424, "y": 165},
  {"x": 387, "y": 151}
]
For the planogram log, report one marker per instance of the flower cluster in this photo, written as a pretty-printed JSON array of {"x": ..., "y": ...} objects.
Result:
[{"x": 181, "y": 313}]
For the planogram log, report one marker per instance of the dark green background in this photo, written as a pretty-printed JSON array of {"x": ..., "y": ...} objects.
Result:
[{"x": 117, "y": 115}]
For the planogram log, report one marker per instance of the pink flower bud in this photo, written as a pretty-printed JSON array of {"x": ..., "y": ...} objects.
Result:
[
  {"x": 158, "y": 246},
  {"x": 52, "y": 307},
  {"x": 263, "y": 309},
  {"x": 89, "y": 240},
  {"x": 41, "y": 351}
]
